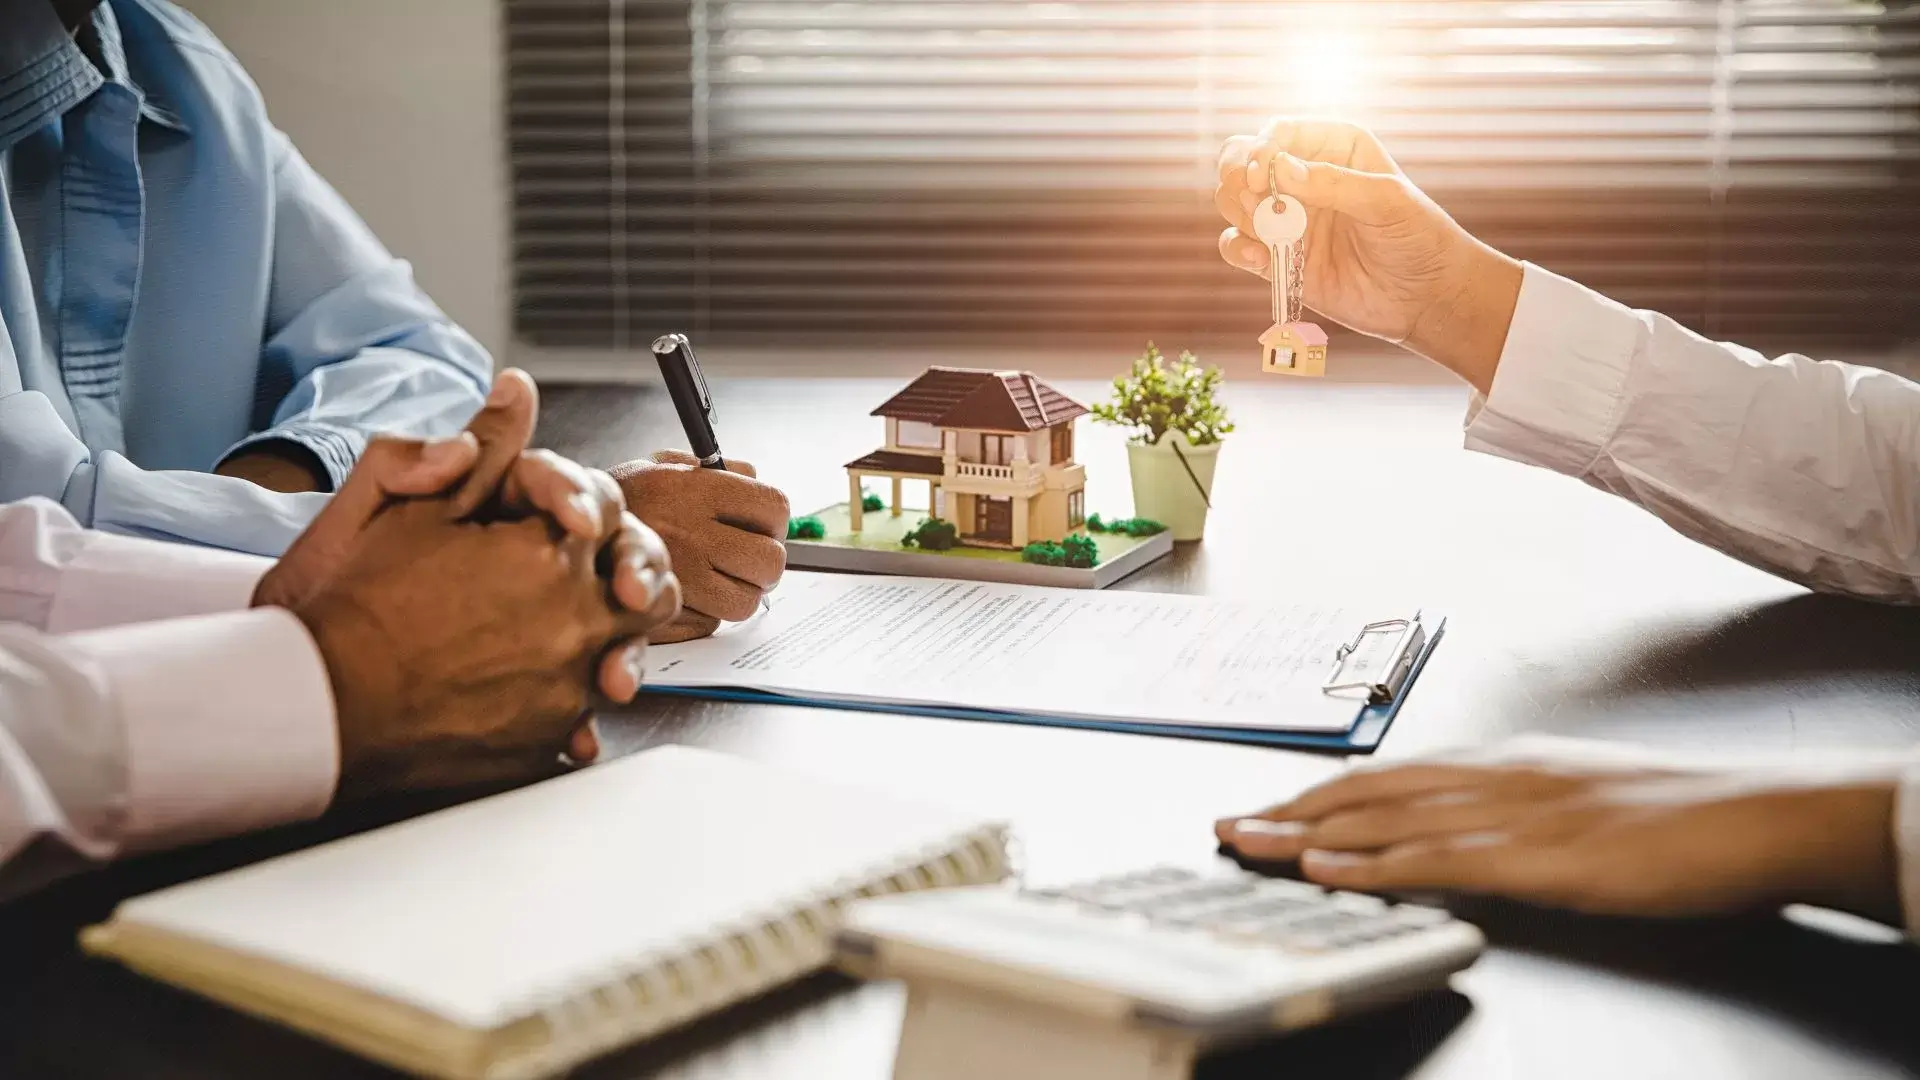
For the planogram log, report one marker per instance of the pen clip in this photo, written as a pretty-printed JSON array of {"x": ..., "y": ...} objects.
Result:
[
  {"x": 700, "y": 382},
  {"x": 667, "y": 344}
]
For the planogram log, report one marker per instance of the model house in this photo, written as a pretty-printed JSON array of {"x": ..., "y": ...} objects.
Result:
[
  {"x": 996, "y": 448},
  {"x": 1298, "y": 348}
]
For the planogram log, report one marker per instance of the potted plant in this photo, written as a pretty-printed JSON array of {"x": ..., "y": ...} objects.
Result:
[{"x": 1177, "y": 427}]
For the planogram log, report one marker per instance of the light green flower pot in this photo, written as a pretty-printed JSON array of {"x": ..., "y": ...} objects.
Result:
[{"x": 1165, "y": 490}]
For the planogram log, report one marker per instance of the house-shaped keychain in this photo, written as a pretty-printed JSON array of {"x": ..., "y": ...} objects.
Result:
[
  {"x": 1296, "y": 348},
  {"x": 1292, "y": 346}
]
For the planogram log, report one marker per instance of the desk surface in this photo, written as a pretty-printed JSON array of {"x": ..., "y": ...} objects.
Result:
[{"x": 1570, "y": 612}]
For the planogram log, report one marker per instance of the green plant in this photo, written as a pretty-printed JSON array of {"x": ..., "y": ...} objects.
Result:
[
  {"x": 1081, "y": 551},
  {"x": 1157, "y": 397},
  {"x": 871, "y": 502},
  {"x": 1135, "y": 526},
  {"x": 1076, "y": 551},
  {"x": 806, "y": 528},
  {"x": 1045, "y": 553},
  {"x": 932, "y": 534}
]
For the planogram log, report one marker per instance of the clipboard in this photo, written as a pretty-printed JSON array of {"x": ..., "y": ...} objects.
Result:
[{"x": 1378, "y": 668}]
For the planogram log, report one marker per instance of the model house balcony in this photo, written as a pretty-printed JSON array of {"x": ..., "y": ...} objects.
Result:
[
  {"x": 979, "y": 478},
  {"x": 975, "y": 470}
]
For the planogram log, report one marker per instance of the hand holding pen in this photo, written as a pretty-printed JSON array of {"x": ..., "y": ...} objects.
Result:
[{"x": 722, "y": 527}]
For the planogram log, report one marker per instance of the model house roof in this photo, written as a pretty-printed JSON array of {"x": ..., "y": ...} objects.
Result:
[
  {"x": 981, "y": 400},
  {"x": 893, "y": 461},
  {"x": 1304, "y": 332}
]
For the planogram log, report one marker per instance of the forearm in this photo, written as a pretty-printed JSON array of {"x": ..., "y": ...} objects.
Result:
[
  {"x": 1465, "y": 329},
  {"x": 1802, "y": 468},
  {"x": 155, "y": 735},
  {"x": 278, "y": 466}
]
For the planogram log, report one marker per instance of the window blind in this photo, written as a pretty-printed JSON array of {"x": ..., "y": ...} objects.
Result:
[{"x": 956, "y": 170}]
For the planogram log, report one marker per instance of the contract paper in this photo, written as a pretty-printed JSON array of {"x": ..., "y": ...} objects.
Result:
[{"x": 1126, "y": 657}]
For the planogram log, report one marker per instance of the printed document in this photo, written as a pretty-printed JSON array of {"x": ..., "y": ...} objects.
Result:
[{"x": 1068, "y": 653}]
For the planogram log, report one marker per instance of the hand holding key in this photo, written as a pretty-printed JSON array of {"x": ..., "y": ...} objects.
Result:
[{"x": 1379, "y": 255}]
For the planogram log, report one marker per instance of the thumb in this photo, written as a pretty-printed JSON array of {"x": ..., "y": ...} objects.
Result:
[
  {"x": 390, "y": 468},
  {"x": 1371, "y": 198},
  {"x": 502, "y": 428}
]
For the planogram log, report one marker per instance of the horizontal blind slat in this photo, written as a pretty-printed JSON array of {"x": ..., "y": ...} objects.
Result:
[{"x": 934, "y": 167}]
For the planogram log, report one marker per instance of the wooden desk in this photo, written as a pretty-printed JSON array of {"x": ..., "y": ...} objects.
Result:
[{"x": 1570, "y": 612}]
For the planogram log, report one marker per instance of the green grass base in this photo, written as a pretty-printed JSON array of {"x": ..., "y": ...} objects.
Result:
[{"x": 881, "y": 531}]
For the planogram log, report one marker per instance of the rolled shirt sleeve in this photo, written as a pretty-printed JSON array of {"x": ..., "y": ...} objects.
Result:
[
  {"x": 359, "y": 345},
  {"x": 1807, "y": 469}
]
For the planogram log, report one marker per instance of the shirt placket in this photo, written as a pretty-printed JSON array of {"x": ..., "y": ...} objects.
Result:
[{"x": 101, "y": 210}]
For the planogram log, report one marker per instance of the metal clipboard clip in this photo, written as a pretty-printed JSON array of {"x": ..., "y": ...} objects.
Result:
[{"x": 1359, "y": 664}]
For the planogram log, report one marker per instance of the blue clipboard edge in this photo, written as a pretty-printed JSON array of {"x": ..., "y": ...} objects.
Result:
[{"x": 1362, "y": 738}]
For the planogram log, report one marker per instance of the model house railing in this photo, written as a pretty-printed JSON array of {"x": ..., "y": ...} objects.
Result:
[{"x": 977, "y": 471}]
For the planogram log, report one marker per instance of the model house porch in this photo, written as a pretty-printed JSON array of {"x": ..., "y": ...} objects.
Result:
[{"x": 995, "y": 449}]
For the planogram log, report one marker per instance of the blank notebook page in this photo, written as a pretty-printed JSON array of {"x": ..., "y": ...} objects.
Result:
[{"x": 484, "y": 912}]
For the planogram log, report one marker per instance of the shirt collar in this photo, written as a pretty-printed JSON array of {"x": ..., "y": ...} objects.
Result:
[
  {"x": 113, "y": 53},
  {"x": 44, "y": 72}
]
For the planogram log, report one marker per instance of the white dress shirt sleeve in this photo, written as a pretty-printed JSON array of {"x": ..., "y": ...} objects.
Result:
[
  {"x": 1805, "y": 468},
  {"x": 145, "y": 734}
]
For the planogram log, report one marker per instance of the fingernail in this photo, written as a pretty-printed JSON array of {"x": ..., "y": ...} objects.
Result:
[
  {"x": 1293, "y": 167},
  {"x": 636, "y": 662},
  {"x": 504, "y": 391},
  {"x": 649, "y": 580},
  {"x": 1265, "y": 829},
  {"x": 1330, "y": 860},
  {"x": 588, "y": 507}
]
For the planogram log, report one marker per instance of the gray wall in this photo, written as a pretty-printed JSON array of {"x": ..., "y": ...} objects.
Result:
[{"x": 397, "y": 104}]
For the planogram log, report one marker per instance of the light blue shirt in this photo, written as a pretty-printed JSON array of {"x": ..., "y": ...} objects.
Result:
[{"x": 177, "y": 284}]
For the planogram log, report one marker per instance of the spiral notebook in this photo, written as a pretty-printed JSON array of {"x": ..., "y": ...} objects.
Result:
[{"x": 518, "y": 936}]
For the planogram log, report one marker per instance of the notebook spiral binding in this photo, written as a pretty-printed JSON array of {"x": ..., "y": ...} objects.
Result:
[{"x": 631, "y": 1000}]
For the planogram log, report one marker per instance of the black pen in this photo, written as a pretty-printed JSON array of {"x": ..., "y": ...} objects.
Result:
[{"x": 687, "y": 386}]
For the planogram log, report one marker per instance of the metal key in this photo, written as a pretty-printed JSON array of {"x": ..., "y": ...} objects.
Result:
[{"x": 1281, "y": 223}]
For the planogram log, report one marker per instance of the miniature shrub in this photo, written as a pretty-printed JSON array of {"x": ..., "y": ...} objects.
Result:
[
  {"x": 932, "y": 534},
  {"x": 1080, "y": 551},
  {"x": 806, "y": 528},
  {"x": 1045, "y": 553},
  {"x": 872, "y": 502},
  {"x": 1125, "y": 526}
]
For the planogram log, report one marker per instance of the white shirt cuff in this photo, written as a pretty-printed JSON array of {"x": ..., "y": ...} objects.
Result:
[
  {"x": 1561, "y": 383},
  {"x": 117, "y": 580},
  {"x": 229, "y": 720}
]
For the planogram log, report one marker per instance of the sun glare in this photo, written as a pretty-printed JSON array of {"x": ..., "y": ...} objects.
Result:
[{"x": 1325, "y": 71}]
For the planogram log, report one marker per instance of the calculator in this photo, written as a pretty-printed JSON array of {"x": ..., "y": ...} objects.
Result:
[{"x": 1186, "y": 957}]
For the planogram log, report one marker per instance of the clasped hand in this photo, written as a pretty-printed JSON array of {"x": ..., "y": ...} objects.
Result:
[{"x": 467, "y": 597}]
